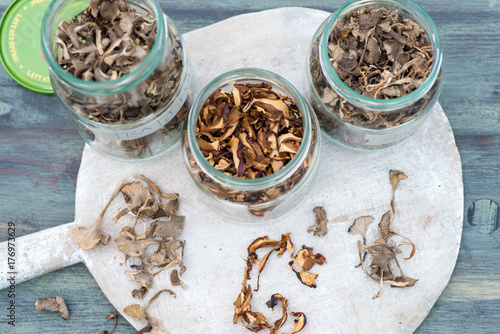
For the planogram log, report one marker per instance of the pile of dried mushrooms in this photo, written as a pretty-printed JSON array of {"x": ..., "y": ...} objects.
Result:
[{"x": 157, "y": 248}]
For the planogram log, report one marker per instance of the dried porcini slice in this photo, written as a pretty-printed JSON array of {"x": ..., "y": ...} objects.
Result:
[
  {"x": 381, "y": 252},
  {"x": 54, "y": 304},
  {"x": 304, "y": 259},
  {"x": 380, "y": 54}
]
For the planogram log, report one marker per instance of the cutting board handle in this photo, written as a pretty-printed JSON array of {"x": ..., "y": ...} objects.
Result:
[{"x": 36, "y": 254}]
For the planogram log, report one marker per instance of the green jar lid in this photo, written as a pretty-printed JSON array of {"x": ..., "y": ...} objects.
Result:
[{"x": 21, "y": 46}]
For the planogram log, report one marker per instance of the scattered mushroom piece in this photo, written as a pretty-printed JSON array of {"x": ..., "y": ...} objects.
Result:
[
  {"x": 137, "y": 312},
  {"x": 88, "y": 238},
  {"x": 300, "y": 322},
  {"x": 109, "y": 317},
  {"x": 175, "y": 280},
  {"x": 305, "y": 259},
  {"x": 360, "y": 226},
  {"x": 54, "y": 304},
  {"x": 382, "y": 253},
  {"x": 320, "y": 228}
]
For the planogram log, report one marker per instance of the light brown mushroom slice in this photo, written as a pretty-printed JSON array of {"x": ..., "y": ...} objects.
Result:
[
  {"x": 236, "y": 96},
  {"x": 275, "y": 107},
  {"x": 234, "y": 144},
  {"x": 222, "y": 165},
  {"x": 288, "y": 147},
  {"x": 131, "y": 247},
  {"x": 206, "y": 146},
  {"x": 299, "y": 323},
  {"x": 277, "y": 165},
  {"x": 288, "y": 136}
]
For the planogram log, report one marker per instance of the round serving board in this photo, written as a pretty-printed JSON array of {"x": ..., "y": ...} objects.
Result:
[{"x": 348, "y": 184}]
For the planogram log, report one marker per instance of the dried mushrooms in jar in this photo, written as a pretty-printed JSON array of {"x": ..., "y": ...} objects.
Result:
[{"x": 251, "y": 141}]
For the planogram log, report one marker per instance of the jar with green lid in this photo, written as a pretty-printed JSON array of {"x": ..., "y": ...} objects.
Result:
[
  {"x": 359, "y": 119},
  {"x": 246, "y": 194},
  {"x": 122, "y": 71}
]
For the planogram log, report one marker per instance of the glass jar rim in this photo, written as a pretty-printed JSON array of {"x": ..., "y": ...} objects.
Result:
[
  {"x": 119, "y": 85},
  {"x": 367, "y": 102},
  {"x": 250, "y": 75}
]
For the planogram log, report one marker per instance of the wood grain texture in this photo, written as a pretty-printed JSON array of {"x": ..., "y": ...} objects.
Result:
[{"x": 40, "y": 154}]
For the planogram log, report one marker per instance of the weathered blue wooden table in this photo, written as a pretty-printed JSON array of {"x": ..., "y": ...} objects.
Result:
[{"x": 40, "y": 152}]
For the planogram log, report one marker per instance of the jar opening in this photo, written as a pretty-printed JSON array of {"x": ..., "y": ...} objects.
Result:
[{"x": 408, "y": 9}]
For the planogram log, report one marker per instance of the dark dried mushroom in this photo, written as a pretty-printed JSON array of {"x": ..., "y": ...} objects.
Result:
[
  {"x": 109, "y": 317},
  {"x": 54, "y": 304}
]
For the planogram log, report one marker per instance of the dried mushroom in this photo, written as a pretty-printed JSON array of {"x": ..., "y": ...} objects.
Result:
[
  {"x": 304, "y": 259},
  {"x": 109, "y": 317},
  {"x": 54, "y": 304},
  {"x": 138, "y": 312},
  {"x": 380, "y": 54},
  {"x": 175, "y": 280},
  {"x": 320, "y": 228},
  {"x": 107, "y": 41},
  {"x": 157, "y": 248},
  {"x": 360, "y": 226},
  {"x": 250, "y": 132},
  {"x": 381, "y": 252}
]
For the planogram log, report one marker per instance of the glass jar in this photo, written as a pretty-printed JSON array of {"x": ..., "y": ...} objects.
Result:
[
  {"x": 379, "y": 123},
  {"x": 134, "y": 117},
  {"x": 260, "y": 199}
]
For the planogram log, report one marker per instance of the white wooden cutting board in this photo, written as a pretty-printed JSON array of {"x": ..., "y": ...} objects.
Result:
[{"x": 429, "y": 211}]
